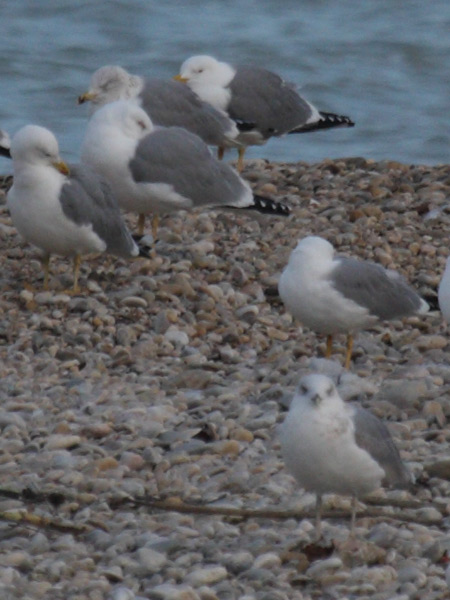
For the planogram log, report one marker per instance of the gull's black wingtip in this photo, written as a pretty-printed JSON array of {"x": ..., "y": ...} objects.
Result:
[
  {"x": 268, "y": 206},
  {"x": 327, "y": 121}
]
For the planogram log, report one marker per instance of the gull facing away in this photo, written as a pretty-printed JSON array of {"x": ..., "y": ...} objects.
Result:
[
  {"x": 444, "y": 292},
  {"x": 62, "y": 210},
  {"x": 333, "y": 295},
  {"x": 5, "y": 144},
  {"x": 167, "y": 103},
  {"x": 332, "y": 447},
  {"x": 261, "y": 101},
  {"x": 158, "y": 170}
]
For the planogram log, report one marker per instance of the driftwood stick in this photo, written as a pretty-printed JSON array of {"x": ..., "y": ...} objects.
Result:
[{"x": 18, "y": 517}]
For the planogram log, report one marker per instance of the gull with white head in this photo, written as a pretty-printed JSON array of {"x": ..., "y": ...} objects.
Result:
[
  {"x": 260, "y": 101},
  {"x": 332, "y": 447},
  {"x": 62, "y": 210},
  {"x": 335, "y": 294},
  {"x": 167, "y": 103},
  {"x": 157, "y": 170}
]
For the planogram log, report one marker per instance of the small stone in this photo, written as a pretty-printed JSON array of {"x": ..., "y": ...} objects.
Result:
[
  {"x": 267, "y": 561},
  {"x": 135, "y": 301},
  {"x": 60, "y": 441},
  {"x": 206, "y": 576},
  {"x": 109, "y": 462},
  {"x": 431, "y": 342},
  {"x": 319, "y": 567},
  {"x": 432, "y": 411},
  {"x": 151, "y": 560}
]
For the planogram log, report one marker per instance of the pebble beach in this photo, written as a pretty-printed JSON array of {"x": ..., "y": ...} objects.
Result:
[{"x": 139, "y": 456}]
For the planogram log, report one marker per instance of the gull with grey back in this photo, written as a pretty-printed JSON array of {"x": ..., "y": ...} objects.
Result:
[
  {"x": 264, "y": 104},
  {"x": 69, "y": 211},
  {"x": 335, "y": 294},
  {"x": 168, "y": 103},
  {"x": 332, "y": 447},
  {"x": 157, "y": 170}
]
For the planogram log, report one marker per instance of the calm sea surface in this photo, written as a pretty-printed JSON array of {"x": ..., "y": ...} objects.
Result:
[{"x": 385, "y": 63}]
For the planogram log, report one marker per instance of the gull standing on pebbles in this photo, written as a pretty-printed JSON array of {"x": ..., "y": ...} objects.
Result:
[
  {"x": 162, "y": 169},
  {"x": 341, "y": 295},
  {"x": 168, "y": 103},
  {"x": 444, "y": 292},
  {"x": 331, "y": 447},
  {"x": 261, "y": 101},
  {"x": 62, "y": 210}
]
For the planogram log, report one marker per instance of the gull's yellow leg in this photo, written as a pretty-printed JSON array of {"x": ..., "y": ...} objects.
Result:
[
  {"x": 141, "y": 223},
  {"x": 155, "y": 225},
  {"x": 220, "y": 152},
  {"x": 348, "y": 354},
  {"x": 329, "y": 346},
  {"x": 46, "y": 265},
  {"x": 240, "y": 162},
  {"x": 76, "y": 273}
]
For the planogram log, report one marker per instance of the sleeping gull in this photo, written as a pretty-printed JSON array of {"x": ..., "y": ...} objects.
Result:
[
  {"x": 257, "y": 97},
  {"x": 162, "y": 169},
  {"x": 5, "y": 144},
  {"x": 168, "y": 103},
  {"x": 62, "y": 210},
  {"x": 331, "y": 447},
  {"x": 341, "y": 295}
]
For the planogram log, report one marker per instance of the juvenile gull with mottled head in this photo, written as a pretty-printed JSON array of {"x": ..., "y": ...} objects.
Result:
[
  {"x": 261, "y": 101},
  {"x": 62, "y": 210},
  {"x": 335, "y": 294},
  {"x": 333, "y": 447},
  {"x": 156, "y": 170}
]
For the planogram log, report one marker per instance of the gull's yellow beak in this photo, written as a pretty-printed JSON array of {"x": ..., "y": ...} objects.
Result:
[
  {"x": 61, "y": 166},
  {"x": 180, "y": 78},
  {"x": 86, "y": 97}
]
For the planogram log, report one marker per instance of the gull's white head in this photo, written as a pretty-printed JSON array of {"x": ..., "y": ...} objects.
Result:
[
  {"x": 111, "y": 83},
  {"x": 123, "y": 116},
  {"x": 203, "y": 69},
  {"x": 317, "y": 391},
  {"x": 36, "y": 146},
  {"x": 312, "y": 250}
]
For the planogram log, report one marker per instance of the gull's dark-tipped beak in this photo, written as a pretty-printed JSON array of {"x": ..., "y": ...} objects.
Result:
[{"x": 88, "y": 96}]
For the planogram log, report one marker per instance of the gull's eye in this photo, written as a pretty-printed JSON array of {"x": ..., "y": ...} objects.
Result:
[
  {"x": 330, "y": 390},
  {"x": 303, "y": 388},
  {"x": 141, "y": 124}
]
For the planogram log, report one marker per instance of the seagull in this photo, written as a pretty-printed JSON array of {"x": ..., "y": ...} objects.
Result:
[
  {"x": 331, "y": 447},
  {"x": 259, "y": 100},
  {"x": 167, "y": 103},
  {"x": 444, "y": 292},
  {"x": 158, "y": 170},
  {"x": 62, "y": 210},
  {"x": 341, "y": 295},
  {"x": 5, "y": 144}
]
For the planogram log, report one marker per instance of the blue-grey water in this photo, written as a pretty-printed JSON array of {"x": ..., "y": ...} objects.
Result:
[{"x": 385, "y": 63}]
